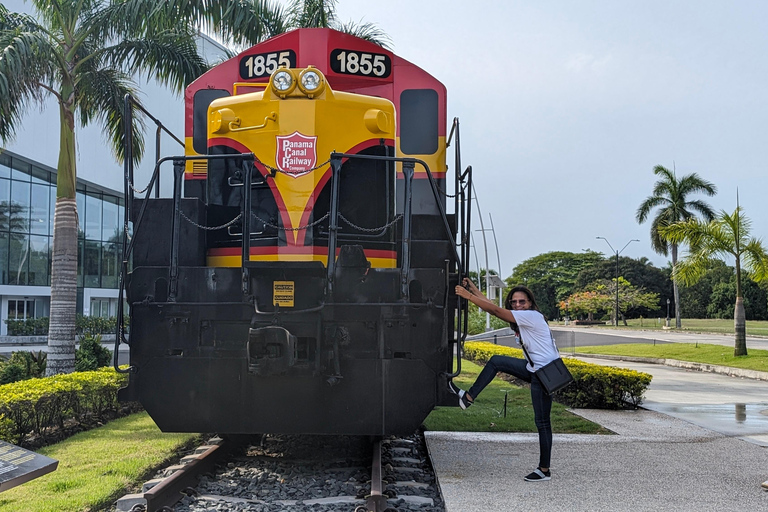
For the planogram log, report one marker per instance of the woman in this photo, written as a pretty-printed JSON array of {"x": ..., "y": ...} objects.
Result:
[{"x": 531, "y": 327}]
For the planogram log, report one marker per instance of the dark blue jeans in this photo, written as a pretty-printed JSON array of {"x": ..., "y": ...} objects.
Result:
[{"x": 542, "y": 402}]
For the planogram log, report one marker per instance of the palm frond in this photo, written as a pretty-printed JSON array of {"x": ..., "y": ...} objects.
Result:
[
  {"x": 28, "y": 64},
  {"x": 691, "y": 268},
  {"x": 100, "y": 96},
  {"x": 368, "y": 31},
  {"x": 171, "y": 58},
  {"x": 658, "y": 243},
  {"x": 312, "y": 13},
  {"x": 649, "y": 204},
  {"x": 756, "y": 260},
  {"x": 703, "y": 208}
]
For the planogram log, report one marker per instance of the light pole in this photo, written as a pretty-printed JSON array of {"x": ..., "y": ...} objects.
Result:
[
  {"x": 667, "y": 312},
  {"x": 617, "y": 271}
]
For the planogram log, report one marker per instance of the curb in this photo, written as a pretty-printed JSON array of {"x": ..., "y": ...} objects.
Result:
[{"x": 702, "y": 367}]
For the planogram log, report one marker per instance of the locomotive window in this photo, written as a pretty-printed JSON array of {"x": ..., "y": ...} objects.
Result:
[
  {"x": 418, "y": 121},
  {"x": 203, "y": 99}
]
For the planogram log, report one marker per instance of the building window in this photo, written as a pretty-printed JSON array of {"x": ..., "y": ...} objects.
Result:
[
  {"x": 21, "y": 309},
  {"x": 27, "y": 206},
  {"x": 40, "y": 214},
  {"x": 91, "y": 264},
  {"x": 18, "y": 259},
  {"x": 103, "y": 308},
  {"x": 39, "y": 257}
]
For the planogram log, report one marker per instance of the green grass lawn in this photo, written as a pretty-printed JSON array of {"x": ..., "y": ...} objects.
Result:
[
  {"x": 487, "y": 413},
  {"x": 703, "y": 353},
  {"x": 97, "y": 467},
  {"x": 721, "y": 326}
]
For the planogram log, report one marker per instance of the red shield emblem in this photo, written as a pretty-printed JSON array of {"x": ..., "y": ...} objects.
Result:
[{"x": 296, "y": 154}]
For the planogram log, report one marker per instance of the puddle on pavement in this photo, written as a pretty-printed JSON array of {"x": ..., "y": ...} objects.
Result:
[{"x": 729, "y": 419}]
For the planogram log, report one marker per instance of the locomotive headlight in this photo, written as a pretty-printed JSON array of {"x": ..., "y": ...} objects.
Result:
[
  {"x": 282, "y": 81},
  {"x": 311, "y": 82}
]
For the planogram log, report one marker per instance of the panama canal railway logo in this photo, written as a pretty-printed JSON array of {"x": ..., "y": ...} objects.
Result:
[{"x": 296, "y": 154}]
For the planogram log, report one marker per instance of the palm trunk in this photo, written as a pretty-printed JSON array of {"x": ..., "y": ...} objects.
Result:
[
  {"x": 675, "y": 290},
  {"x": 739, "y": 317},
  {"x": 61, "y": 328}
]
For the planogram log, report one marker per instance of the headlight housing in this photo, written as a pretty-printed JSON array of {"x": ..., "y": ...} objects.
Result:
[
  {"x": 311, "y": 82},
  {"x": 283, "y": 82}
]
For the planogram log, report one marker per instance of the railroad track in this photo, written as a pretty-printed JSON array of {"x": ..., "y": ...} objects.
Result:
[{"x": 297, "y": 473}]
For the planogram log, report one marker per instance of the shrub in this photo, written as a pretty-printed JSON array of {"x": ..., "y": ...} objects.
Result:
[
  {"x": 33, "y": 363},
  {"x": 11, "y": 372},
  {"x": 594, "y": 386},
  {"x": 83, "y": 325},
  {"x": 28, "y": 327},
  {"x": 32, "y": 406},
  {"x": 91, "y": 355}
]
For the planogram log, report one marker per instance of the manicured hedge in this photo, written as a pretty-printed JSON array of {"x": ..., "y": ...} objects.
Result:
[
  {"x": 83, "y": 325},
  {"x": 594, "y": 386},
  {"x": 32, "y": 407}
]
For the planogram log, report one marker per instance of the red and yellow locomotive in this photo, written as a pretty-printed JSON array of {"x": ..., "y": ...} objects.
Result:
[{"x": 301, "y": 284}]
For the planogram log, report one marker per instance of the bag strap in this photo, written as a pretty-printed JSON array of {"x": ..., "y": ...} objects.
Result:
[{"x": 528, "y": 356}]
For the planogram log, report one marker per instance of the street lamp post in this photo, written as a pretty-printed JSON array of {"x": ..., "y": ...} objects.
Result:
[
  {"x": 667, "y": 312},
  {"x": 617, "y": 271}
]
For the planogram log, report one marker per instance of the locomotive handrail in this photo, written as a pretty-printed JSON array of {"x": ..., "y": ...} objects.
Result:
[
  {"x": 429, "y": 175},
  {"x": 128, "y": 176},
  {"x": 461, "y": 261},
  {"x": 128, "y": 245},
  {"x": 463, "y": 206}
]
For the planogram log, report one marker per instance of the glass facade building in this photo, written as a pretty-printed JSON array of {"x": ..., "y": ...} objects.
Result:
[{"x": 27, "y": 204}]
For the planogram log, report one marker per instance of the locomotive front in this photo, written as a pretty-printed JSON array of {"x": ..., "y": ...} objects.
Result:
[{"x": 302, "y": 313}]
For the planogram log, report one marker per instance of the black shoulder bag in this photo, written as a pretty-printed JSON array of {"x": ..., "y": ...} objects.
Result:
[{"x": 554, "y": 375}]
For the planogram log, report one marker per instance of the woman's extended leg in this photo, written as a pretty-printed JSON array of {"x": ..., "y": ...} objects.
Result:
[{"x": 506, "y": 364}]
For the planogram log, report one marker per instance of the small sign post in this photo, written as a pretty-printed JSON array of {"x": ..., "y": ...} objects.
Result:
[{"x": 18, "y": 466}]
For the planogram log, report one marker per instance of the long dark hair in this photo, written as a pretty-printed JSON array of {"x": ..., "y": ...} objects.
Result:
[
  {"x": 527, "y": 292},
  {"x": 531, "y": 299}
]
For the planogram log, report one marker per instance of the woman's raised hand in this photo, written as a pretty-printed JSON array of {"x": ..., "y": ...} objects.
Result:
[
  {"x": 468, "y": 284},
  {"x": 462, "y": 292}
]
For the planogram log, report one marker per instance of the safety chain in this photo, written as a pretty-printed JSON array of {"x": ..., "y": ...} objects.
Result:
[
  {"x": 371, "y": 230},
  {"x": 451, "y": 196},
  {"x": 275, "y": 170},
  {"x": 318, "y": 221},
  {"x": 208, "y": 228},
  {"x": 139, "y": 191}
]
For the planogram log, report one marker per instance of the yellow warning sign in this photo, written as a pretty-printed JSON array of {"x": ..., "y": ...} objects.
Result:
[{"x": 282, "y": 293}]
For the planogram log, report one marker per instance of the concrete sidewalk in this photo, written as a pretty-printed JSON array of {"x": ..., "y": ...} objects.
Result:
[{"x": 654, "y": 462}]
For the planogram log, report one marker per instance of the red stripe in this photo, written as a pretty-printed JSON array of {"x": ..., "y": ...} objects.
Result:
[{"x": 288, "y": 250}]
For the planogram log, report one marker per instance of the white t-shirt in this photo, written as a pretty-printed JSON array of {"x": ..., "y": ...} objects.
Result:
[{"x": 537, "y": 338}]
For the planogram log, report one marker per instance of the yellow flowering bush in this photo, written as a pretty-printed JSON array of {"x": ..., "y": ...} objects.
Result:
[{"x": 33, "y": 405}]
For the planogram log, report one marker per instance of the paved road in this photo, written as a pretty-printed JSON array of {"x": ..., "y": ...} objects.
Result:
[{"x": 583, "y": 336}]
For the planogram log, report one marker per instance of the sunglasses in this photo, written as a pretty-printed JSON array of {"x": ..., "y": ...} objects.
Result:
[{"x": 523, "y": 301}]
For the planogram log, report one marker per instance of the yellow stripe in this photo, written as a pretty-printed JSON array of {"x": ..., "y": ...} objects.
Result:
[{"x": 234, "y": 261}]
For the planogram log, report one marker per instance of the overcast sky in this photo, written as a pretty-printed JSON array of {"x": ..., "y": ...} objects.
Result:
[{"x": 566, "y": 107}]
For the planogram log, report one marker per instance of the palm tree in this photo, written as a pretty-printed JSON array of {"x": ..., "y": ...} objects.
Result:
[
  {"x": 84, "y": 55},
  {"x": 726, "y": 235},
  {"x": 322, "y": 14},
  {"x": 671, "y": 196}
]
